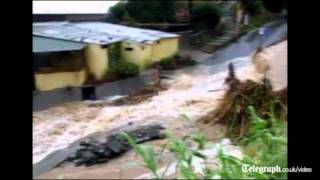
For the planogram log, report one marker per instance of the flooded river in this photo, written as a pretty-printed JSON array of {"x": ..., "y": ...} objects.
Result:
[
  {"x": 57, "y": 127},
  {"x": 191, "y": 91}
]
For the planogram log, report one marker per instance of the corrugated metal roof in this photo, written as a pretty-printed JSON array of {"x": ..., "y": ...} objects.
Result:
[
  {"x": 68, "y": 31},
  {"x": 98, "y": 32},
  {"x": 43, "y": 44}
]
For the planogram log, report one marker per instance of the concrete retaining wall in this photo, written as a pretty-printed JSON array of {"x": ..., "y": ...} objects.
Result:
[{"x": 46, "y": 99}]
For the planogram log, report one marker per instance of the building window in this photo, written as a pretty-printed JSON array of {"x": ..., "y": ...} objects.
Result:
[
  {"x": 128, "y": 49},
  {"x": 57, "y": 62}
]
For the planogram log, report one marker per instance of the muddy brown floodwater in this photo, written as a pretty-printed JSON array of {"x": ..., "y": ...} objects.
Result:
[{"x": 191, "y": 95}]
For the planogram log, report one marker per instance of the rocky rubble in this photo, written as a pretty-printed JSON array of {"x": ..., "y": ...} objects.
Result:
[{"x": 93, "y": 152}]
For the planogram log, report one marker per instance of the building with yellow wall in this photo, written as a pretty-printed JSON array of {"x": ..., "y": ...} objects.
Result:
[{"x": 76, "y": 52}]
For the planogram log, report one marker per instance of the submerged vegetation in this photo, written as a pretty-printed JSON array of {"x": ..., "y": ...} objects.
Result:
[{"x": 176, "y": 62}]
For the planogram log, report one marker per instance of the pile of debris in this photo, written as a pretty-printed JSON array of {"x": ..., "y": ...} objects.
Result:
[
  {"x": 232, "y": 110},
  {"x": 94, "y": 152},
  {"x": 176, "y": 62},
  {"x": 139, "y": 96}
]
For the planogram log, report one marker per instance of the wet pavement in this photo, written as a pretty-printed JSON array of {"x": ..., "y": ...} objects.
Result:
[{"x": 245, "y": 46}]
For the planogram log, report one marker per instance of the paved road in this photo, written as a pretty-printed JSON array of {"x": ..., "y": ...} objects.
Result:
[{"x": 245, "y": 46}]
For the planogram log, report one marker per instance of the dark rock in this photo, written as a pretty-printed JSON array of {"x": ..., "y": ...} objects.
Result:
[
  {"x": 106, "y": 153},
  {"x": 86, "y": 155},
  {"x": 93, "y": 152},
  {"x": 84, "y": 144},
  {"x": 102, "y": 160},
  {"x": 78, "y": 162}
]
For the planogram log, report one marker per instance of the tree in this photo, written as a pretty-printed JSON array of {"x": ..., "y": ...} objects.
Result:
[
  {"x": 119, "y": 10},
  {"x": 252, "y": 7},
  {"x": 205, "y": 16},
  {"x": 275, "y": 6},
  {"x": 146, "y": 11}
]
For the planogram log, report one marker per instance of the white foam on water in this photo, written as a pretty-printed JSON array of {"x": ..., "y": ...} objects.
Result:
[{"x": 52, "y": 133}]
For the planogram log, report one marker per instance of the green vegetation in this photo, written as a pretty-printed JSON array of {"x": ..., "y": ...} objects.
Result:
[
  {"x": 118, "y": 67},
  {"x": 264, "y": 146},
  {"x": 119, "y": 10},
  {"x": 114, "y": 52},
  {"x": 255, "y": 118},
  {"x": 205, "y": 16},
  {"x": 145, "y": 11},
  {"x": 257, "y": 21},
  {"x": 123, "y": 69},
  {"x": 146, "y": 153},
  {"x": 261, "y": 12},
  {"x": 253, "y": 7},
  {"x": 176, "y": 62}
]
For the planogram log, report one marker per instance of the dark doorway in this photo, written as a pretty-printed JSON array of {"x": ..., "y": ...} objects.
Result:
[{"x": 89, "y": 93}]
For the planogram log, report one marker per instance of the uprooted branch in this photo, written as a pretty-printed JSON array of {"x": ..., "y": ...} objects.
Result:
[{"x": 232, "y": 110}]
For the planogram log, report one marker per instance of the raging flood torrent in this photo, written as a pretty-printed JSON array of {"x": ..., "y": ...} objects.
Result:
[
  {"x": 133, "y": 98},
  {"x": 255, "y": 116},
  {"x": 139, "y": 96},
  {"x": 56, "y": 128}
]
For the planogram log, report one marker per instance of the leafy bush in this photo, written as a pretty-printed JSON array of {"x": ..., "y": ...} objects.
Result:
[
  {"x": 205, "y": 16},
  {"x": 145, "y": 11},
  {"x": 256, "y": 22},
  {"x": 122, "y": 69},
  {"x": 118, "y": 67},
  {"x": 152, "y": 10},
  {"x": 166, "y": 61},
  {"x": 176, "y": 62},
  {"x": 119, "y": 10}
]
